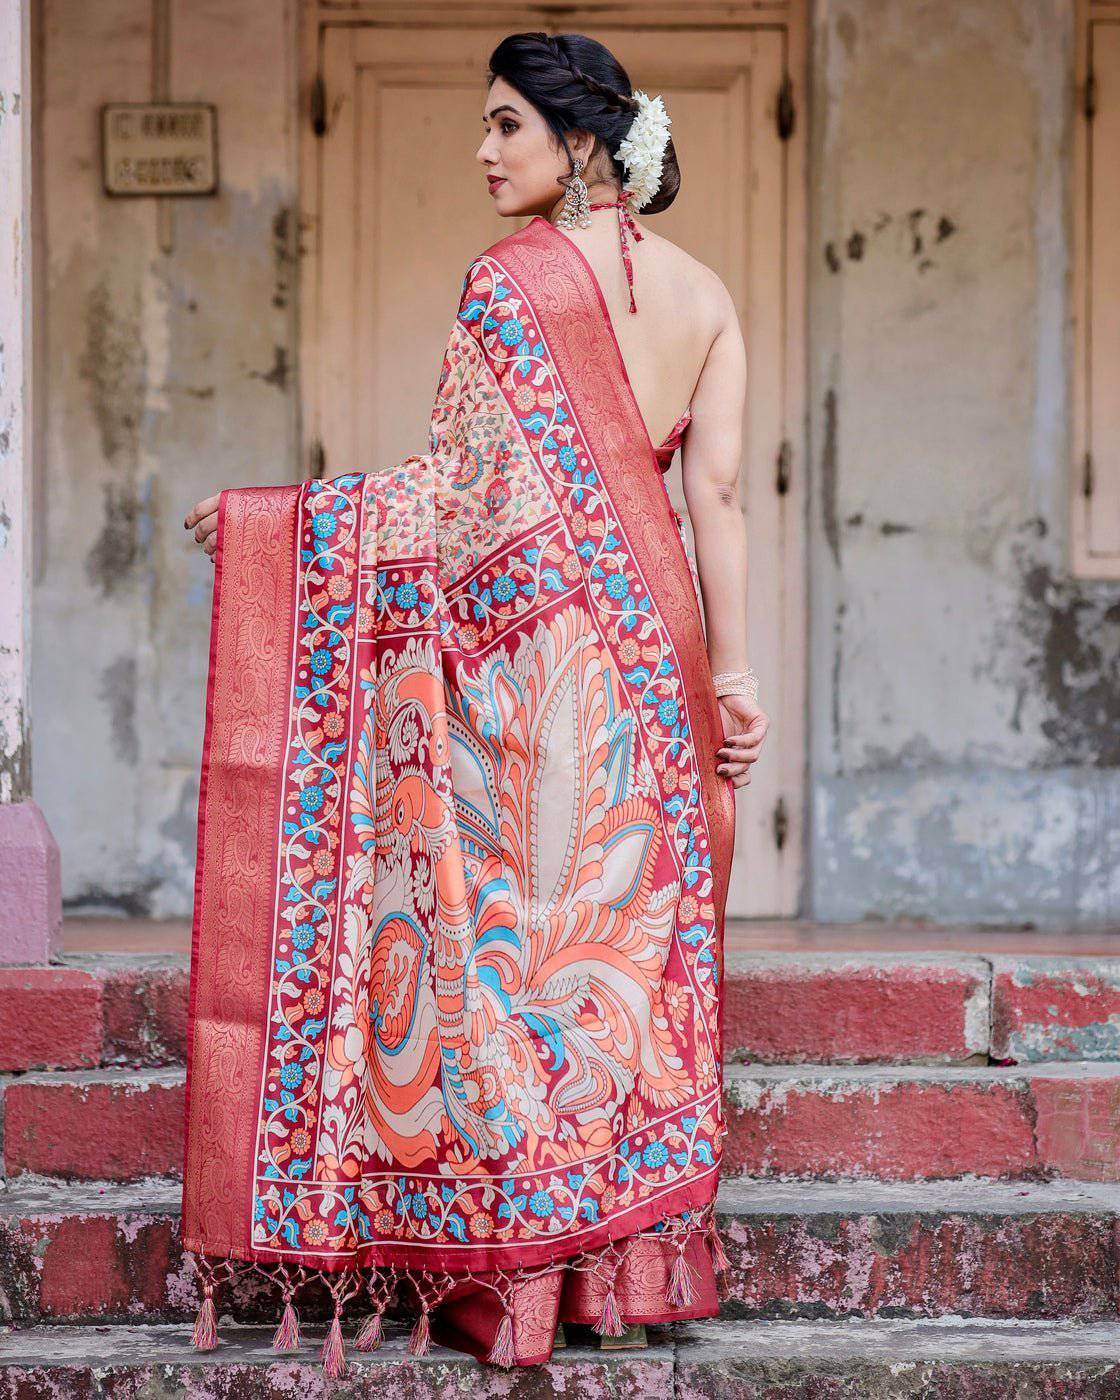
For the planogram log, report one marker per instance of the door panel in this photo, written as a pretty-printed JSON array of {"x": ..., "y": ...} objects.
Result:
[{"x": 400, "y": 209}]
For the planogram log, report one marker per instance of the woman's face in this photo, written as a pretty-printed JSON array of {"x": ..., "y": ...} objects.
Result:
[{"x": 518, "y": 154}]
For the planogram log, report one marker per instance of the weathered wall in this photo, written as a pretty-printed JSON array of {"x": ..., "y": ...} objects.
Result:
[
  {"x": 170, "y": 377},
  {"x": 966, "y": 705},
  {"x": 965, "y": 734}
]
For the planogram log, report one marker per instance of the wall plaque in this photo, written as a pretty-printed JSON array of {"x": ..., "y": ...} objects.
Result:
[{"x": 159, "y": 148}]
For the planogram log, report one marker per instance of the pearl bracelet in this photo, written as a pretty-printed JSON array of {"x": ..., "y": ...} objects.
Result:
[{"x": 736, "y": 683}]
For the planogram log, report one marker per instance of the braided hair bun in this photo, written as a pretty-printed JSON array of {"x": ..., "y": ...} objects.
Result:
[{"x": 576, "y": 83}]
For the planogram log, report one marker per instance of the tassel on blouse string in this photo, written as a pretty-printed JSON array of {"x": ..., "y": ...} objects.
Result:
[{"x": 626, "y": 225}]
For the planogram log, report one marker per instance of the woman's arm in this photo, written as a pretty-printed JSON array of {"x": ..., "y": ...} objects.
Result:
[{"x": 711, "y": 459}]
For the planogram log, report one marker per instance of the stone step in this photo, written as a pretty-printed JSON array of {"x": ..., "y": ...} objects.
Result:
[
  {"x": 812, "y": 1121},
  {"x": 94, "y": 1125},
  {"x": 914, "y": 1123},
  {"x": 1055, "y": 1009},
  {"x": 728, "y": 1360},
  {"x": 94, "y": 1011},
  {"x": 780, "y": 1008},
  {"x": 936, "y": 1359},
  {"x": 856, "y": 1008},
  {"x": 110, "y": 1252}
]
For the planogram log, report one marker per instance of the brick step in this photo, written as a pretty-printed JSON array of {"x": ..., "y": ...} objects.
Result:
[
  {"x": 859, "y": 1008},
  {"x": 94, "y": 1011},
  {"x": 915, "y": 1123},
  {"x": 906, "y": 1123},
  {"x": 111, "y": 1252},
  {"x": 863, "y": 1008},
  {"x": 94, "y": 1125},
  {"x": 781, "y": 1008},
  {"x": 728, "y": 1360}
]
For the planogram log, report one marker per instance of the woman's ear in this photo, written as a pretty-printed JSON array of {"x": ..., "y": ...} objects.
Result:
[{"x": 582, "y": 144}]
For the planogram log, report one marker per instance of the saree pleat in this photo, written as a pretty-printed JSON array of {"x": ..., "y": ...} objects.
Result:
[{"x": 455, "y": 1012}]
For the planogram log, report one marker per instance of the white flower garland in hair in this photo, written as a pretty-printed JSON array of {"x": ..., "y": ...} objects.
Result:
[{"x": 643, "y": 148}]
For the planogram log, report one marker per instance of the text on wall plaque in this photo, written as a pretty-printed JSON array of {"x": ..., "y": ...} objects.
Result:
[{"x": 159, "y": 148}]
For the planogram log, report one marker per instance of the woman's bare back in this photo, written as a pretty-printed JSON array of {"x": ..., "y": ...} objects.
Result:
[{"x": 682, "y": 308}]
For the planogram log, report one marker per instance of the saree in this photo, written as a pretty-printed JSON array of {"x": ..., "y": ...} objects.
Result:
[{"x": 454, "y": 1039}]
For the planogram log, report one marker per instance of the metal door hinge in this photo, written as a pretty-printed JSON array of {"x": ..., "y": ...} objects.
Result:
[
  {"x": 786, "y": 110},
  {"x": 785, "y": 466},
  {"x": 781, "y": 823},
  {"x": 317, "y": 460},
  {"x": 1089, "y": 97},
  {"x": 1087, "y": 475},
  {"x": 319, "y": 106}
]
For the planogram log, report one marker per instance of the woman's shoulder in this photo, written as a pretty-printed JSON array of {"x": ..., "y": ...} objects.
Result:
[{"x": 693, "y": 282}]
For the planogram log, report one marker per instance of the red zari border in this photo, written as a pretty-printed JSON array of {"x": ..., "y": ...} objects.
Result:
[{"x": 251, "y": 633}]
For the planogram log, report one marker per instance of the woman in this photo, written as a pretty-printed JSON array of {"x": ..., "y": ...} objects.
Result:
[{"x": 467, "y": 812}]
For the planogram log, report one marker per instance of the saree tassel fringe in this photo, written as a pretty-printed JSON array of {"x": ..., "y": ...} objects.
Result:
[
  {"x": 370, "y": 1336},
  {"x": 610, "y": 1324},
  {"x": 602, "y": 1269},
  {"x": 287, "y": 1337},
  {"x": 381, "y": 1288},
  {"x": 720, "y": 1262},
  {"x": 210, "y": 1272},
  {"x": 333, "y": 1355},
  {"x": 681, "y": 1293},
  {"x": 205, "y": 1335},
  {"x": 501, "y": 1352},
  {"x": 420, "y": 1342}
]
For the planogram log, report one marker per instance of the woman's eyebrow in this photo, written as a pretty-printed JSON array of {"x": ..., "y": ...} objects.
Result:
[{"x": 505, "y": 107}]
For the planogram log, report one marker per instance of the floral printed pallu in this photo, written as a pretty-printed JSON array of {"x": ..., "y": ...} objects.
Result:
[{"x": 462, "y": 863}]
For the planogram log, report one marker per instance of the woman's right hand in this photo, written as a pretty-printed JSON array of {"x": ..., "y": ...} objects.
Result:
[
  {"x": 203, "y": 520},
  {"x": 744, "y": 728}
]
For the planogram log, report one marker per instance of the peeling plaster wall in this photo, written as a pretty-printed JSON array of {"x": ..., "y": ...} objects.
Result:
[
  {"x": 162, "y": 388},
  {"x": 965, "y": 717},
  {"x": 965, "y": 734}
]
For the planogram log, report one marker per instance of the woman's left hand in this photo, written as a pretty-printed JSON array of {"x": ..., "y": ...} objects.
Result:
[
  {"x": 203, "y": 520},
  {"x": 744, "y": 728}
]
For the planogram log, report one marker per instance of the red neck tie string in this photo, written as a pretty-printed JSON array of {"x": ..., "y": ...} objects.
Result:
[{"x": 626, "y": 225}]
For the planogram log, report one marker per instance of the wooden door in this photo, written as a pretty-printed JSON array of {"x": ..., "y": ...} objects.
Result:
[
  {"x": 1095, "y": 479},
  {"x": 396, "y": 207}
]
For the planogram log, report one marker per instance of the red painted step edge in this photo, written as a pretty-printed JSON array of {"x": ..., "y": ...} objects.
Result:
[
  {"x": 893, "y": 1125},
  {"x": 790, "y": 1010},
  {"x": 50, "y": 1018}
]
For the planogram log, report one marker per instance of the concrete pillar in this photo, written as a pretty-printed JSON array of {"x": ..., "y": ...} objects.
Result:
[{"x": 30, "y": 891}]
